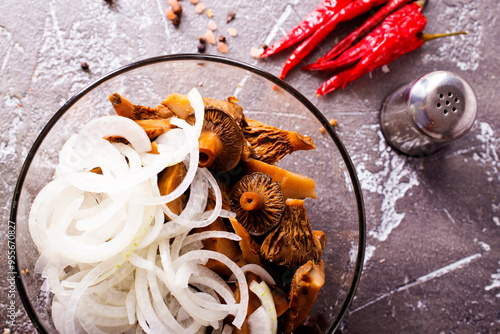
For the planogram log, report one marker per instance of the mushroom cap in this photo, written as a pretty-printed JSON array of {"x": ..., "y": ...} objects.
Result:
[
  {"x": 229, "y": 133},
  {"x": 293, "y": 242},
  {"x": 269, "y": 144},
  {"x": 266, "y": 214}
]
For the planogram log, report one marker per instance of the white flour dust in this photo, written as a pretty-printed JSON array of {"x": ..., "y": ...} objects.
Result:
[
  {"x": 459, "y": 17},
  {"x": 489, "y": 156},
  {"x": 495, "y": 282},
  {"x": 392, "y": 181},
  {"x": 391, "y": 177}
]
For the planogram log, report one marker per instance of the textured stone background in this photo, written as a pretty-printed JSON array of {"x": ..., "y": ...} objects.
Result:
[{"x": 433, "y": 246}]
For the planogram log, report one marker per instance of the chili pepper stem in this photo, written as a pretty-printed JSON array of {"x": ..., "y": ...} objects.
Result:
[
  {"x": 421, "y": 3},
  {"x": 428, "y": 37}
]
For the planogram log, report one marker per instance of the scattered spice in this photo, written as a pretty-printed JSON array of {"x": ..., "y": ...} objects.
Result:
[
  {"x": 202, "y": 39},
  {"x": 194, "y": 2},
  {"x": 233, "y": 32},
  {"x": 177, "y": 8},
  {"x": 230, "y": 16},
  {"x": 333, "y": 122},
  {"x": 255, "y": 52},
  {"x": 85, "y": 66},
  {"x": 212, "y": 25},
  {"x": 264, "y": 46},
  {"x": 201, "y": 47},
  {"x": 222, "y": 39},
  {"x": 210, "y": 36},
  {"x": 200, "y": 7},
  {"x": 222, "y": 47},
  {"x": 170, "y": 14},
  {"x": 210, "y": 13}
]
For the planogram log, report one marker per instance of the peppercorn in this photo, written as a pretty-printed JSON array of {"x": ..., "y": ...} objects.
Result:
[
  {"x": 222, "y": 39},
  {"x": 201, "y": 47},
  {"x": 85, "y": 66},
  {"x": 202, "y": 39},
  {"x": 176, "y": 21},
  {"x": 230, "y": 16}
]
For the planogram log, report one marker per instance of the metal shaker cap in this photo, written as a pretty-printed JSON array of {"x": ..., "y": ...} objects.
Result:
[{"x": 442, "y": 105}]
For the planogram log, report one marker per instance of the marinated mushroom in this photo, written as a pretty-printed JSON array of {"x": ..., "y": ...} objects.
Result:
[
  {"x": 292, "y": 243},
  {"x": 152, "y": 127},
  {"x": 293, "y": 185},
  {"x": 124, "y": 107},
  {"x": 270, "y": 144},
  {"x": 220, "y": 142},
  {"x": 168, "y": 180},
  {"x": 220, "y": 245},
  {"x": 155, "y": 127},
  {"x": 306, "y": 284},
  {"x": 179, "y": 104},
  {"x": 249, "y": 248},
  {"x": 258, "y": 203},
  {"x": 229, "y": 106}
]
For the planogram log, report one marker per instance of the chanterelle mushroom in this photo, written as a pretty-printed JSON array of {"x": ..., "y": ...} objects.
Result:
[
  {"x": 168, "y": 180},
  {"x": 294, "y": 185},
  {"x": 270, "y": 144},
  {"x": 220, "y": 142},
  {"x": 292, "y": 243},
  {"x": 258, "y": 203},
  {"x": 229, "y": 106},
  {"x": 306, "y": 283},
  {"x": 124, "y": 107}
]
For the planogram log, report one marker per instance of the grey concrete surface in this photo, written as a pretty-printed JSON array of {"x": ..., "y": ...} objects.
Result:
[{"x": 433, "y": 243}]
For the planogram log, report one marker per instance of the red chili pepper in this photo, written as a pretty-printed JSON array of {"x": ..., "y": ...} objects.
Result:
[
  {"x": 347, "y": 13},
  {"x": 405, "y": 36},
  {"x": 402, "y": 38},
  {"x": 372, "y": 22},
  {"x": 325, "y": 10},
  {"x": 353, "y": 54}
]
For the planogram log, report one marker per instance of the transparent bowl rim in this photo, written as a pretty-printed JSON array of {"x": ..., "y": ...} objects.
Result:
[{"x": 208, "y": 58}]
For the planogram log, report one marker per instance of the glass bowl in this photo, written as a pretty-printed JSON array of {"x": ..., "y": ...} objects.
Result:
[{"x": 338, "y": 209}]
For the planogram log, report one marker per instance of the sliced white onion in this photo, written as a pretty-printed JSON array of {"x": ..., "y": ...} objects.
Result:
[
  {"x": 259, "y": 271},
  {"x": 240, "y": 276},
  {"x": 108, "y": 256},
  {"x": 259, "y": 322},
  {"x": 266, "y": 298},
  {"x": 196, "y": 101},
  {"x": 108, "y": 126}
]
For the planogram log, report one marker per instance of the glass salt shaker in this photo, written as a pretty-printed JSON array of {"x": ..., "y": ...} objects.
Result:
[{"x": 428, "y": 113}]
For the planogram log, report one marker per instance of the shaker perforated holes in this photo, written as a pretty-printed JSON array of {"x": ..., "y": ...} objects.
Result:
[{"x": 449, "y": 102}]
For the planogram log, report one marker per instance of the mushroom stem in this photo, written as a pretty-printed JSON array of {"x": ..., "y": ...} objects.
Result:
[
  {"x": 251, "y": 201},
  {"x": 122, "y": 106},
  {"x": 210, "y": 147}
]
